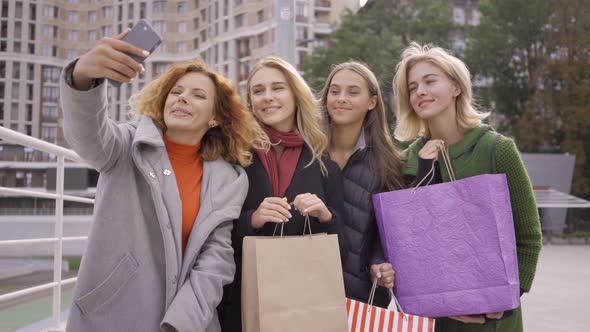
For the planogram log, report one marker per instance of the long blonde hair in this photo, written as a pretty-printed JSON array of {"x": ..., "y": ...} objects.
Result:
[
  {"x": 409, "y": 124},
  {"x": 308, "y": 115},
  {"x": 388, "y": 157},
  {"x": 237, "y": 131}
]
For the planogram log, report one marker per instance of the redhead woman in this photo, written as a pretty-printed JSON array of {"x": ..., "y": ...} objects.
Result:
[
  {"x": 433, "y": 91},
  {"x": 361, "y": 145},
  {"x": 290, "y": 181},
  {"x": 159, "y": 252}
]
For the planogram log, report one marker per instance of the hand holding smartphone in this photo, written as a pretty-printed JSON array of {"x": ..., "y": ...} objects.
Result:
[
  {"x": 118, "y": 58},
  {"x": 143, "y": 36}
]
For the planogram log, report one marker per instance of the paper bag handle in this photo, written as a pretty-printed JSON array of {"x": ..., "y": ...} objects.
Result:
[
  {"x": 393, "y": 305},
  {"x": 306, "y": 225},
  {"x": 447, "y": 160}
]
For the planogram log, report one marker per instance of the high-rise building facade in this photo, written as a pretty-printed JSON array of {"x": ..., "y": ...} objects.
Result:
[{"x": 39, "y": 37}]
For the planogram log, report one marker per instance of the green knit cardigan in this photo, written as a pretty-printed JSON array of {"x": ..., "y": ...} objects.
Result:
[{"x": 483, "y": 151}]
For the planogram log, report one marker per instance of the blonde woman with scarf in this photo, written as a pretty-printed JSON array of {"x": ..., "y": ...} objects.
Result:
[{"x": 292, "y": 179}]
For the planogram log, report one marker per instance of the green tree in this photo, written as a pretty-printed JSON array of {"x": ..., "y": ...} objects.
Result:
[
  {"x": 556, "y": 116},
  {"x": 508, "y": 47},
  {"x": 377, "y": 35}
]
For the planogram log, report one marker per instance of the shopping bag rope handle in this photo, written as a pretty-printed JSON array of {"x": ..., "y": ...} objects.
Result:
[
  {"x": 447, "y": 160},
  {"x": 306, "y": 225},
  {"x": 393, "y": 298}
]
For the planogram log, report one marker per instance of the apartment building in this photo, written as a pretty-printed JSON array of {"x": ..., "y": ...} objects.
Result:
[{"x": 38, "y": 37}]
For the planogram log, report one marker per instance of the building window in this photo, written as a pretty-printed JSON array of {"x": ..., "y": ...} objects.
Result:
[
  {"x": 50, "y": 94},
  {"x": 50, "y": 11},
  {"x": 159, "y": 6},
  {"x": 49, "y": 112},
  {"x": 72, "y": 35},
  {"x": 142, "y": 10},
  {"x": 18, "y": 29},
  {"x": 475, "y": 17},
  {"x": 160, "y": 26},
  {"x": 459, "y": 15},
  {"x": 130, "y": 10},
  {"x": 71, "y": 53},
  {"x": 181, "y": 47},
  {"x": 16, "y": 70},
  {"x": 49, "y": 134},
  {"x": 29, "y": 93},
  {"x": 239, "y": 20},
  {"x": 50, "y": 74},
  {"x": 18, "y": 10},
  {"x": 260, "y": 40},
  {"x": 181, "y": 27},
  {"x": 107, "y": 12},
  {"x": 31, "y": 32},
  {"x": 32, "y": 12},
  {"x": 15, "y": 91},
  {"x": 4, "y": 9},
  {"x": 50, "y": 31},
  {"x": 30, "y": 71},
  {"x": 260, "y": 15},
  {"x": 49, "y": 50},
  {"x": 29, "y": 112},
  {"x": 92, "y": 16},
  {"x": 182, "y": 7},
  {"x": 72, "y": 16},
  {"x": 92, "y": 35},
  {"x": 107, "y": 31}
]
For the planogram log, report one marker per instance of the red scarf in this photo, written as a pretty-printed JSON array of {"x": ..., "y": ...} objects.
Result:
[{"x": 281, "y": 172}]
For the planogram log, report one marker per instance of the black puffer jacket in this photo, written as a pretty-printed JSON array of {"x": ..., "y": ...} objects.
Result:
[{"x": 361, "y": 180}]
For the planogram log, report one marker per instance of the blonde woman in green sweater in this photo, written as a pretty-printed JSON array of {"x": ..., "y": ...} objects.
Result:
[{"x": 433, "y": 90}]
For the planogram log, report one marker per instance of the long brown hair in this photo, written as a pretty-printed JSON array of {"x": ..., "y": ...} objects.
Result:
[
  {"x": 388, "y": 157},
  {"x": 237, "y": 131}
]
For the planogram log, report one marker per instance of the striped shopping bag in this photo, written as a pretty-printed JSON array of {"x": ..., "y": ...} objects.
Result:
[{"x": 367, "y": 318}]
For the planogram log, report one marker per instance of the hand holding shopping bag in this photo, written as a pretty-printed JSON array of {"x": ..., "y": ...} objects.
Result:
[
  {"x": 293, "y": 283},
  {"x": 363, "y": 317},
  {"x": 452, "y": 244}
]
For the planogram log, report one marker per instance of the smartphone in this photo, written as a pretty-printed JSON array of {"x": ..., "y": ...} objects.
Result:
[{"x": 143, "y": 36}]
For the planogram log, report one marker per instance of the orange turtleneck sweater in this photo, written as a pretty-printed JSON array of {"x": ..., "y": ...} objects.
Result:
[{"x": 187, "y": 164}]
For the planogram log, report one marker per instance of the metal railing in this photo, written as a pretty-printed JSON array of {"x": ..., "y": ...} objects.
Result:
[{"x": 58, "y": 239}]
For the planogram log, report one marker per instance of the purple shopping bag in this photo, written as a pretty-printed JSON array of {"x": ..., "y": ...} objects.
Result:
[{"x": 452, "y": 246}]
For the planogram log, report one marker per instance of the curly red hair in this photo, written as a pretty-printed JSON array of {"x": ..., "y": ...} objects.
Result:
[{"x": 237, "y": 131}]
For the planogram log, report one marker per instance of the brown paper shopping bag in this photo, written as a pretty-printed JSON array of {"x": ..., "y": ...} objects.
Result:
[{"x": 293, "y": 283}]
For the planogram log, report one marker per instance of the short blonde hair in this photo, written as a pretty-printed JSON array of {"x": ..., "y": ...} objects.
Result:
[
  {"x": 409, "y": 124},
  {"x": 237, "y": 131},
  {"x": 308, "y": 116}
]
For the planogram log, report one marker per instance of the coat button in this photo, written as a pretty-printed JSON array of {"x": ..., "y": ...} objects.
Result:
[
  {"x": 167, "y": 171},
  {"x": 152, "y": 175},
  {"x": 173, "y": 279},
  {"x": 168, "y": 225}
]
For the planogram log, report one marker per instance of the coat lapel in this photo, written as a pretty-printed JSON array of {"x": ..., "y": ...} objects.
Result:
[{"x": 154, "y": 159}]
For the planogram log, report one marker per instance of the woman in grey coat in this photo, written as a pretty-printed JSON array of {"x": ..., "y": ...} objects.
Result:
[{"x": 158, "y": 255}]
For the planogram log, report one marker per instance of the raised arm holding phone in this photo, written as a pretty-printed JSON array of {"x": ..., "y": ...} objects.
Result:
[{"x": 170, "y": 185}]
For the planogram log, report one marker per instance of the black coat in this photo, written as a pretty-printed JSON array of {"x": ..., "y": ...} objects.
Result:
[
  {"x": 360, "y": 181},
  {"x": 305, "y": 180}
]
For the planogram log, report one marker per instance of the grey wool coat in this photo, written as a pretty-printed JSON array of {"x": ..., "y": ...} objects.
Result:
[{"x": 133, "y": 276}]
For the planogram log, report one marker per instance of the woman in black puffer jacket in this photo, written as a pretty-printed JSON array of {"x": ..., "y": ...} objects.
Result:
[{"x": 361, "y": 145}]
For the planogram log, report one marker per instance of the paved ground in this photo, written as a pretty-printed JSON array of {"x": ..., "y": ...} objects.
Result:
[
  {"x": 558, "y": 302},
  {"x": 560, "y": 298}
]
